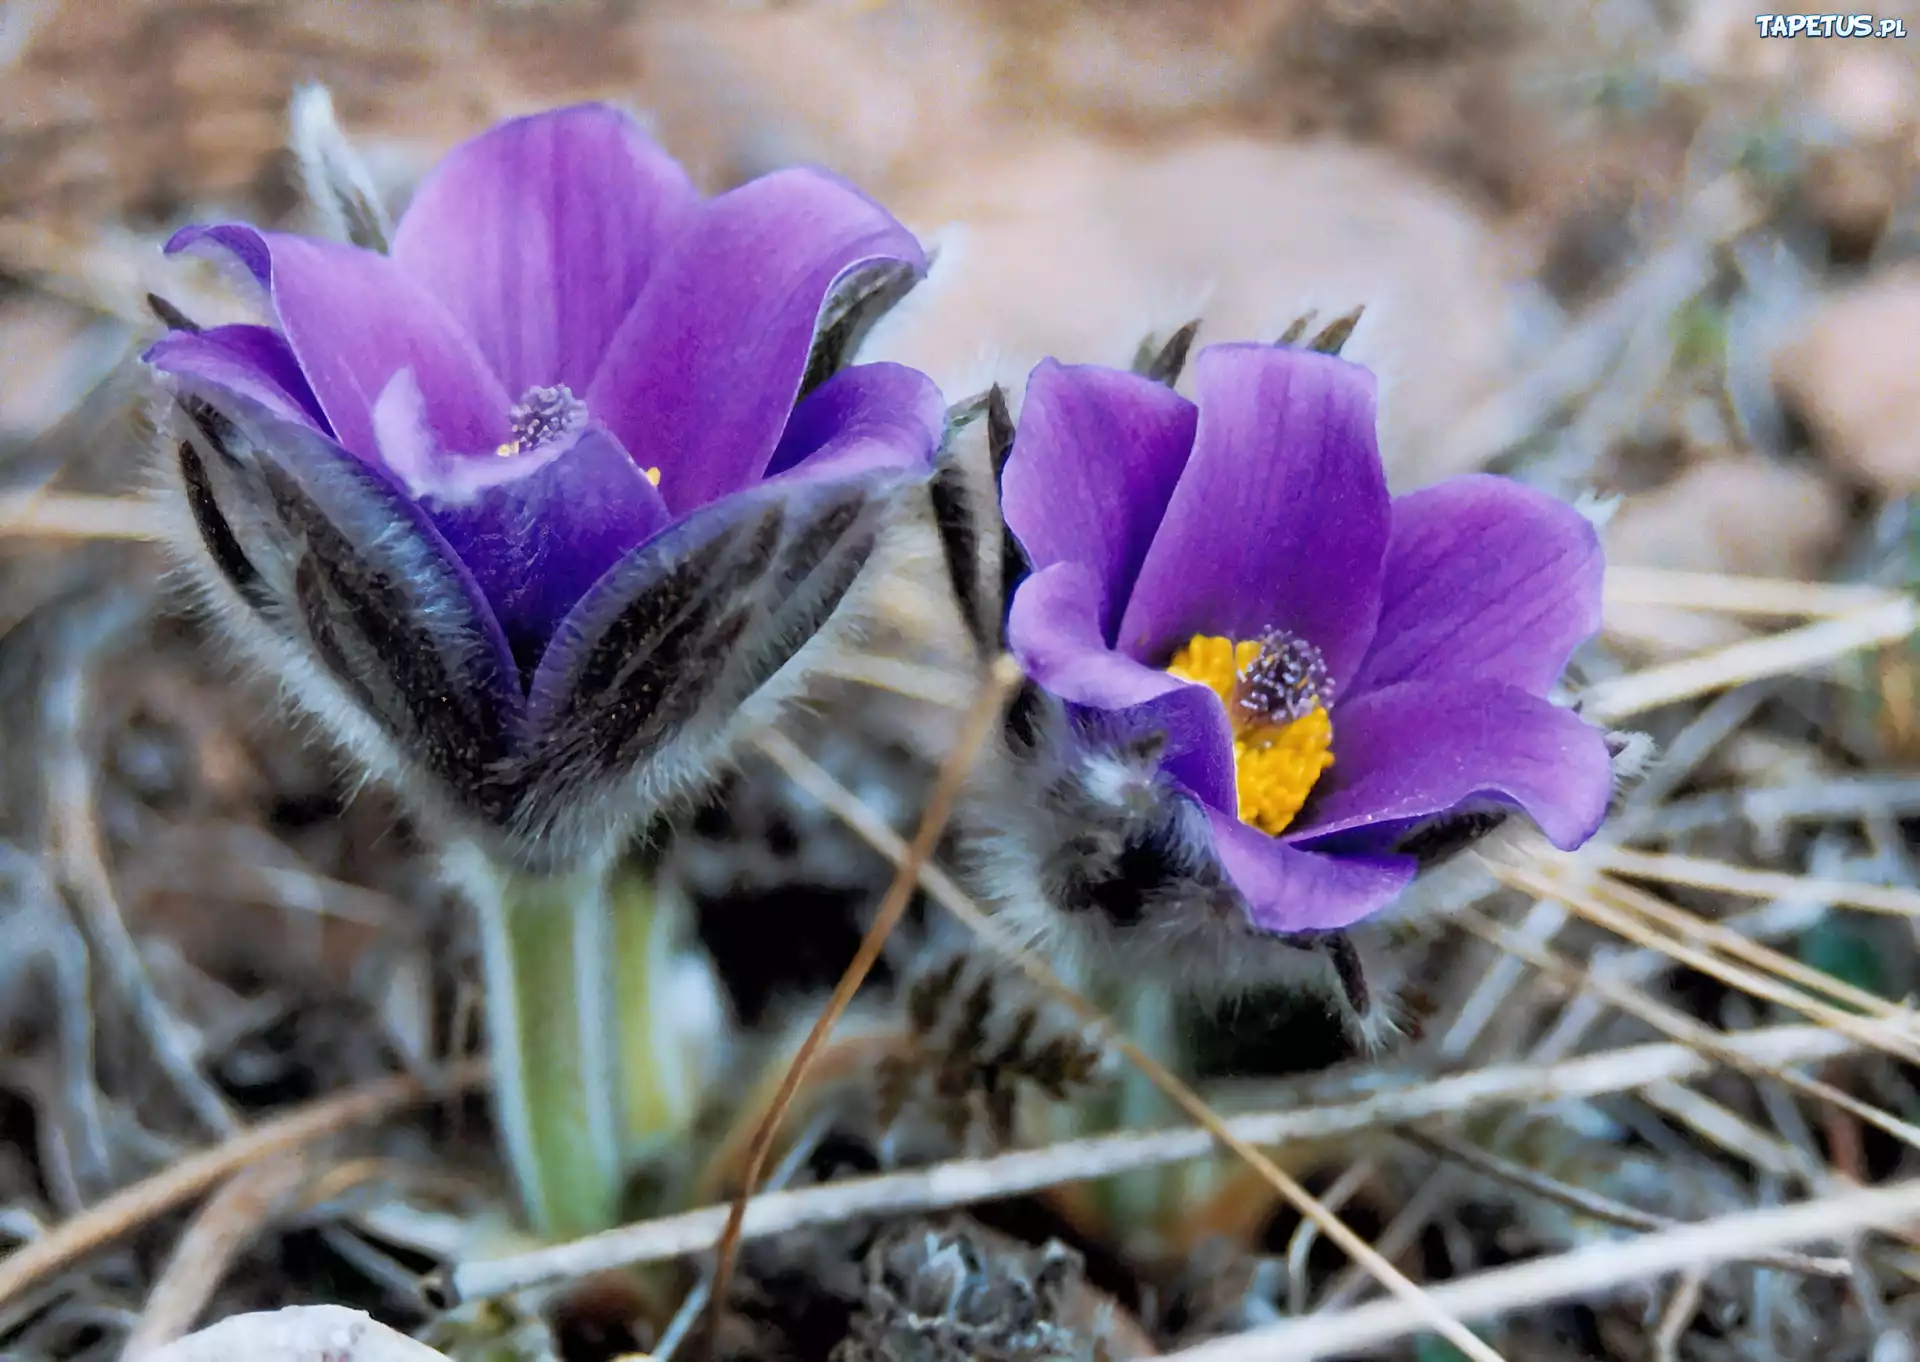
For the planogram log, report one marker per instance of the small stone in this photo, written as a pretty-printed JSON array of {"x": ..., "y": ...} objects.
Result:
[{"x": 1853, "y": 374}]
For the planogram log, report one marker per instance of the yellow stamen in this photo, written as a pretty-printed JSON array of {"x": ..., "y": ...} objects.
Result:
[
  {"x": 1276, "y": 760},
  {"x": 653, "y": 476},
  {"x": 507, "y": 450}
]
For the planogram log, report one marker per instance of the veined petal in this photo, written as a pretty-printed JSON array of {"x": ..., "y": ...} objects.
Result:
[
  {"x": 1093, "y": 467},
  {"x": 868, "y": 417},
  {"x": 700, "y": 379},
  {"x": 354, "y": 319},
  {"x": 1054, "y": 631},
  {"x": 538, "y": 236},
  {"x": 1290, "y": 889},
  {"x": 1486, "y": 580},
  {"x": 253, "y": 361},
  {"x": 1423, "y": 748},
  {"x": 1281, "y": 516}
]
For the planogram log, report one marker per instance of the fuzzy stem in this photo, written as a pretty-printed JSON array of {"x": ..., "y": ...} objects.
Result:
[
  {"x": 550, "y": 984},
  {"x": 1137, "y": 1200}
]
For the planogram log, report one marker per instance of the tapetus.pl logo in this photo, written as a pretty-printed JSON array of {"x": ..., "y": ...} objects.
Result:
[{"x": 1829, "y": 26}]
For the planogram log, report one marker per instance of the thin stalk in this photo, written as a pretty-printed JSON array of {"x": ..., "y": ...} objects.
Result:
[
  {"x": 600, "y": 1016},
  {"x": 1138, "y": 1200},
  {"x": 548, "y": 959}
]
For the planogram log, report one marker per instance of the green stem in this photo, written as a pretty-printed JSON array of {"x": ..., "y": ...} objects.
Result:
[
  {"x": 549, "y": 971},
  {"x": 601, "y": 1017},
  {"x": 1137, "y": 1201}
]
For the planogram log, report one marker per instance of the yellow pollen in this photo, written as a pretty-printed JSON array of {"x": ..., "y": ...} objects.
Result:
[
  {"x": 507, "y": 450},
  {"x": 653, "y": 476},
  {"x": 1275, "y": 765}
]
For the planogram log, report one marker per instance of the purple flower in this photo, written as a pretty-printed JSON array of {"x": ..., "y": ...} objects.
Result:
[
  {"x": 1333, "y": 669},
  {"x": 531, "y": 492}
]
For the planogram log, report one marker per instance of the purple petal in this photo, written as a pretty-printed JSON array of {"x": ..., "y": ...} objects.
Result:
[
  {"x": 253, "y": 361},
  {"x": 1418, "y": 748},
  {"x": 692, "y": 623},
  {"x": 1486, "y": 580},
  {"x": 538, "y": 235},
  {"x": 1281, "y": 517},
  {"x": 869, "y": 417},
  {"x": 537, "y": 543},
  {"x": 387, "y": 583},
  {"x": 1054, "y": 631},
  {"x": 354, "y": 320},
  {"x": 1093, "y": 468},
  {"x": 701, "y": 378},
  {"x": 1289, "y": 889}
]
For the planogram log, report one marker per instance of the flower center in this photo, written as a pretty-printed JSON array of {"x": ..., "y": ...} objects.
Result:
[
  {"x": 1275, "y": 689},
  {"x": 543, "y": 415},
  {"x": 540, "y": 416}
]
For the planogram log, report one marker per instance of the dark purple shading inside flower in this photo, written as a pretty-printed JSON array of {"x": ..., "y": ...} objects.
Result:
[
  {"x": 1443, "y": 616},
  {"x": 568, "y": 350}
]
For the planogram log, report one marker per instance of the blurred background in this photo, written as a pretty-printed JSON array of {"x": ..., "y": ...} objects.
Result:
[
  {"x": 1627, "y": 247},
  {"x": 1565, "y": 219}
]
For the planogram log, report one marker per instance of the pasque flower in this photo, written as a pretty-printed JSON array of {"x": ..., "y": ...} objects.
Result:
[
  {"x": 525, "y": 505},
  {"x": 1332, "y": 668}
]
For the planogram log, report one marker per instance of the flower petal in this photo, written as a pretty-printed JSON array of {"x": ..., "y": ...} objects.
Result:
[
  {"x": 1487, "y": 580},
  {"x": 1290, "y": 889},
  {"x": 538, "y": 235},
  {"x": 1094, "y": 464},
  {"x": 537, "y": 543},
  {"x": 700, "y": 379},
  {"x": 1054, "y": 631},
  {"x": 1420, "y": 748},
  {"x": 656, "y": 661},
  {"x": 868, "y": 417},
  {"x": 352, "y": 576},
  {"x": 253, "y": 361},
  {"x": 354, "y": 320},
  {"x": 1281, "y": 517}
]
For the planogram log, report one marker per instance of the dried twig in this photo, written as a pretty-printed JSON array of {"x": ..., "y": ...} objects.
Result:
[
  {"x": 961, "y": 1181},
  {"x": 125, "y": 1211},
  {"x": 991, "y": 699},
  {"x": 83, "y": 872},
  {"x": 77, "y": 515},
  {"x": 1900, "y": 1041},
  {"x": 918, "y": 680},
  {"x": 1698, "y": 872},
  {"x": 1806, "y": 648},
  {"x": 1765, "y": 597},
  {"x": 1585, "y": 1272},
  {"x": 1679, "y": 1025},
  {"x": 227, "y": 1222},
  {"x": 1592, "y": 1204},
  {"x": 1679, "y": 1315}
]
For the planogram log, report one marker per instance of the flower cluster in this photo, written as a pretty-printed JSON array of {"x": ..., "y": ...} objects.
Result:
[
  {"x": 536, "y": 505},
  {"x": 531, "y": 508}
]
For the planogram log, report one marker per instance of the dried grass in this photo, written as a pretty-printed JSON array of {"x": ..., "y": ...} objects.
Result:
[{"x": 1693, "y": 1033}]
